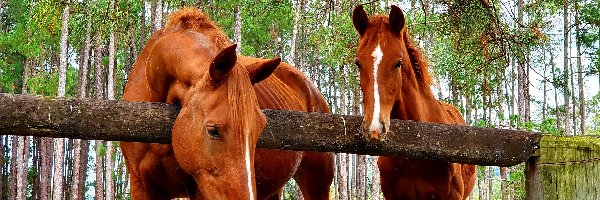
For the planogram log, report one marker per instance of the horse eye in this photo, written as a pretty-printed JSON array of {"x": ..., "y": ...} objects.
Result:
[
  {"x": 357, "y": 63},
  {"x": 398, "y": 65},
  {"x": 213, "y": 132}
]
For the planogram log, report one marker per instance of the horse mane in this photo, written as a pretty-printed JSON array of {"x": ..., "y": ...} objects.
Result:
[
  {"x": 379, "y": 25},
  {"x": 190, "y": 18},
  {"x": 418, "y": 59}
]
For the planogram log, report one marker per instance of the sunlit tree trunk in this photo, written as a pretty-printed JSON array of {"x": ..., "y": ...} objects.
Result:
[
  {"x": 574, "y": 106},
  {"x": 556, "y": 85},
  {"x": 565, "y": 86},
  {"x": 361, "y": 176},
  {"x": 523, "y": 100},
  {"x": 301, "y": 63},
  {"x": 59, "y": 143},
  {"x": 78, "y": 169},
  {"x": 110, "y": 95},
  {"x": 375, "y": 188},
  {"x": 157, "y": 23},
  {"x": 99, "y": 94},
  {"x": 292, "y": 57},
  {"x": 580, "y": 73},
  {"x": 237, "y": 30},
  {"x": 110, "y": 166}
]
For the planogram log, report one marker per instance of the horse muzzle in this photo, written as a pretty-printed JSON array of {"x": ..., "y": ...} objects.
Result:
[{"x": 375, "y": 132}]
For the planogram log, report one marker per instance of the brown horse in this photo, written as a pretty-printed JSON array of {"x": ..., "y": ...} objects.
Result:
[
  {"x": 192, "y": 63},
  {"x": 395, "y": 81}
]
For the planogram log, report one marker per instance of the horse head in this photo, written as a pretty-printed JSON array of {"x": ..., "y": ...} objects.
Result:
[
  {"x": 216, "y": 131},
  {"x": 389, "y": 66}
]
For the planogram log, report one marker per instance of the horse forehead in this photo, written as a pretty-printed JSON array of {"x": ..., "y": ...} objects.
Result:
[{"x": 200, "y": 39}]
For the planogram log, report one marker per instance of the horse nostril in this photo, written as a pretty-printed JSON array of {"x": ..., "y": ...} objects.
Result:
[{"x": 383, "y": 128}]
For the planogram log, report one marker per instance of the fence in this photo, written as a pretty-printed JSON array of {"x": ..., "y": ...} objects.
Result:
[{"x": 556, "y": 167}]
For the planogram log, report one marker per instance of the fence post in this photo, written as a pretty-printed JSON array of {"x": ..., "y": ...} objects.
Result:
[{"x": 533, "y": 179}]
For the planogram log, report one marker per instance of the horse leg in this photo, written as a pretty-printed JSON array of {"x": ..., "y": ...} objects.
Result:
[
  {"x": 315, "y": 175},
  {"x": 139, "y": 190},
  {"x": 469, "y": 175}
]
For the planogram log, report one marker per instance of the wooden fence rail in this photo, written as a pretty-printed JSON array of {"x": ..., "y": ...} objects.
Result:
[
  {"x": 152, "y": 122},
  {"x": 556, "y": 167}
]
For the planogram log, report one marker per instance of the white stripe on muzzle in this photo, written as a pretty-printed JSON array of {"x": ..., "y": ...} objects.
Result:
[{"x": 377, "y": 55}]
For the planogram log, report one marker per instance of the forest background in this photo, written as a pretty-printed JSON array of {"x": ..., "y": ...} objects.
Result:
[{"x": 530, "y": 65}]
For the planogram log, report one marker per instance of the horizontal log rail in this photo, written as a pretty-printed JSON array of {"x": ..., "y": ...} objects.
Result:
[{"x": 289, "y": 130}]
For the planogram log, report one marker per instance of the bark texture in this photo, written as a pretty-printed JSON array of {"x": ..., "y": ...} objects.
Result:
[{"x": 152, "y": 122}]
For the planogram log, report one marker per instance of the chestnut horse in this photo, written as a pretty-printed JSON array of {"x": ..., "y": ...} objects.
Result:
[
  {"x": 395, "y": 81},
  {"x": 192, "y": 63}
]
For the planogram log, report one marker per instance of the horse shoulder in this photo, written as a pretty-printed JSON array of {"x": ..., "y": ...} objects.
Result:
[
  {"x": 138, "y": 87},
  {"x": 455, "y": 117}
]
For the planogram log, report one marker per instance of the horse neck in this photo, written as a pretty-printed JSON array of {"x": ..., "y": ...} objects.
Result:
[{"x": 418, "y": 105}]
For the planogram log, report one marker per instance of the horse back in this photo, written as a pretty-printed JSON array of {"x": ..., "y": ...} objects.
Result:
[{"x": 288, "y": 89}]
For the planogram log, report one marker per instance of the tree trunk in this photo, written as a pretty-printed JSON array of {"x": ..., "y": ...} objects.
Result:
[
  {"x": 110, "y": 96},
  {"x": 503, "y": 183},
  {"x": 237, "y": 30},
  {"x": 361, "y": 175},
  {"x": 85, "y": 146},
  {"x": 544, "y": 91},
  {"x": 157, "y": 23},
  {"x": 302, "y": 60},
  {"x": 58, "y": 143},
  {"x": 566, "y": 93},
  {"x": 573, "y": 100},
  {"x": 143, "y": 31},
  {"x": 110, "y": 89},
  {"x": 153, "y": 27},
  {"x": 2, "y": 167},
  {"x": 12, "y": 187},
  {"x": 523, "y": 76},
  {"x": 82, "y": 93},
  {"x": 67, "y": 168},
  {"x": 99, "y": 86},
  {"x": 35, "y": 157},
  {"x": 294, "y": 41},
  {"x": 84, "y": 66},
  {"x": 98, "y": 68},
  {"x": 46, "y": 167},
  {"x": 479, "y": 187},
  {"x": 64, "y": 34},
  {"x": 23, "y": 167},
  {"x": 376, "y": 189},
  {"x": 580, "y": 73},
  {"x": 490, "y": 182},
  {"x": 558, "y": 113},
  {"x": 99, "y": 186},
  {"x": 110, "y": 165}
]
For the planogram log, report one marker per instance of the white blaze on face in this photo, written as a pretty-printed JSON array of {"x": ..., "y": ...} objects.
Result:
[
  {"x": 248, "y": 169},
  {"x": 377, "y": 55}
]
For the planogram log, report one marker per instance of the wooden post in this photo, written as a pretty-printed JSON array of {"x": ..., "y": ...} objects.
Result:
[{"x": 533, "y": 189}]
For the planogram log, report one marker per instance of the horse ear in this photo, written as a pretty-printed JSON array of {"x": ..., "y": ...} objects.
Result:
[
  {"x": 262, "y": 70},
  {"x": 222, "y": 64},
  {"x": 397, "y": 20},
  {"x": 360, "y": 19}
]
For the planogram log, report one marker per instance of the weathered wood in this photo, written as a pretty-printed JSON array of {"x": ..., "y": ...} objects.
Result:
[
  {"x": 567, "y": 168},
  {"x": 152, "y": 122}
]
